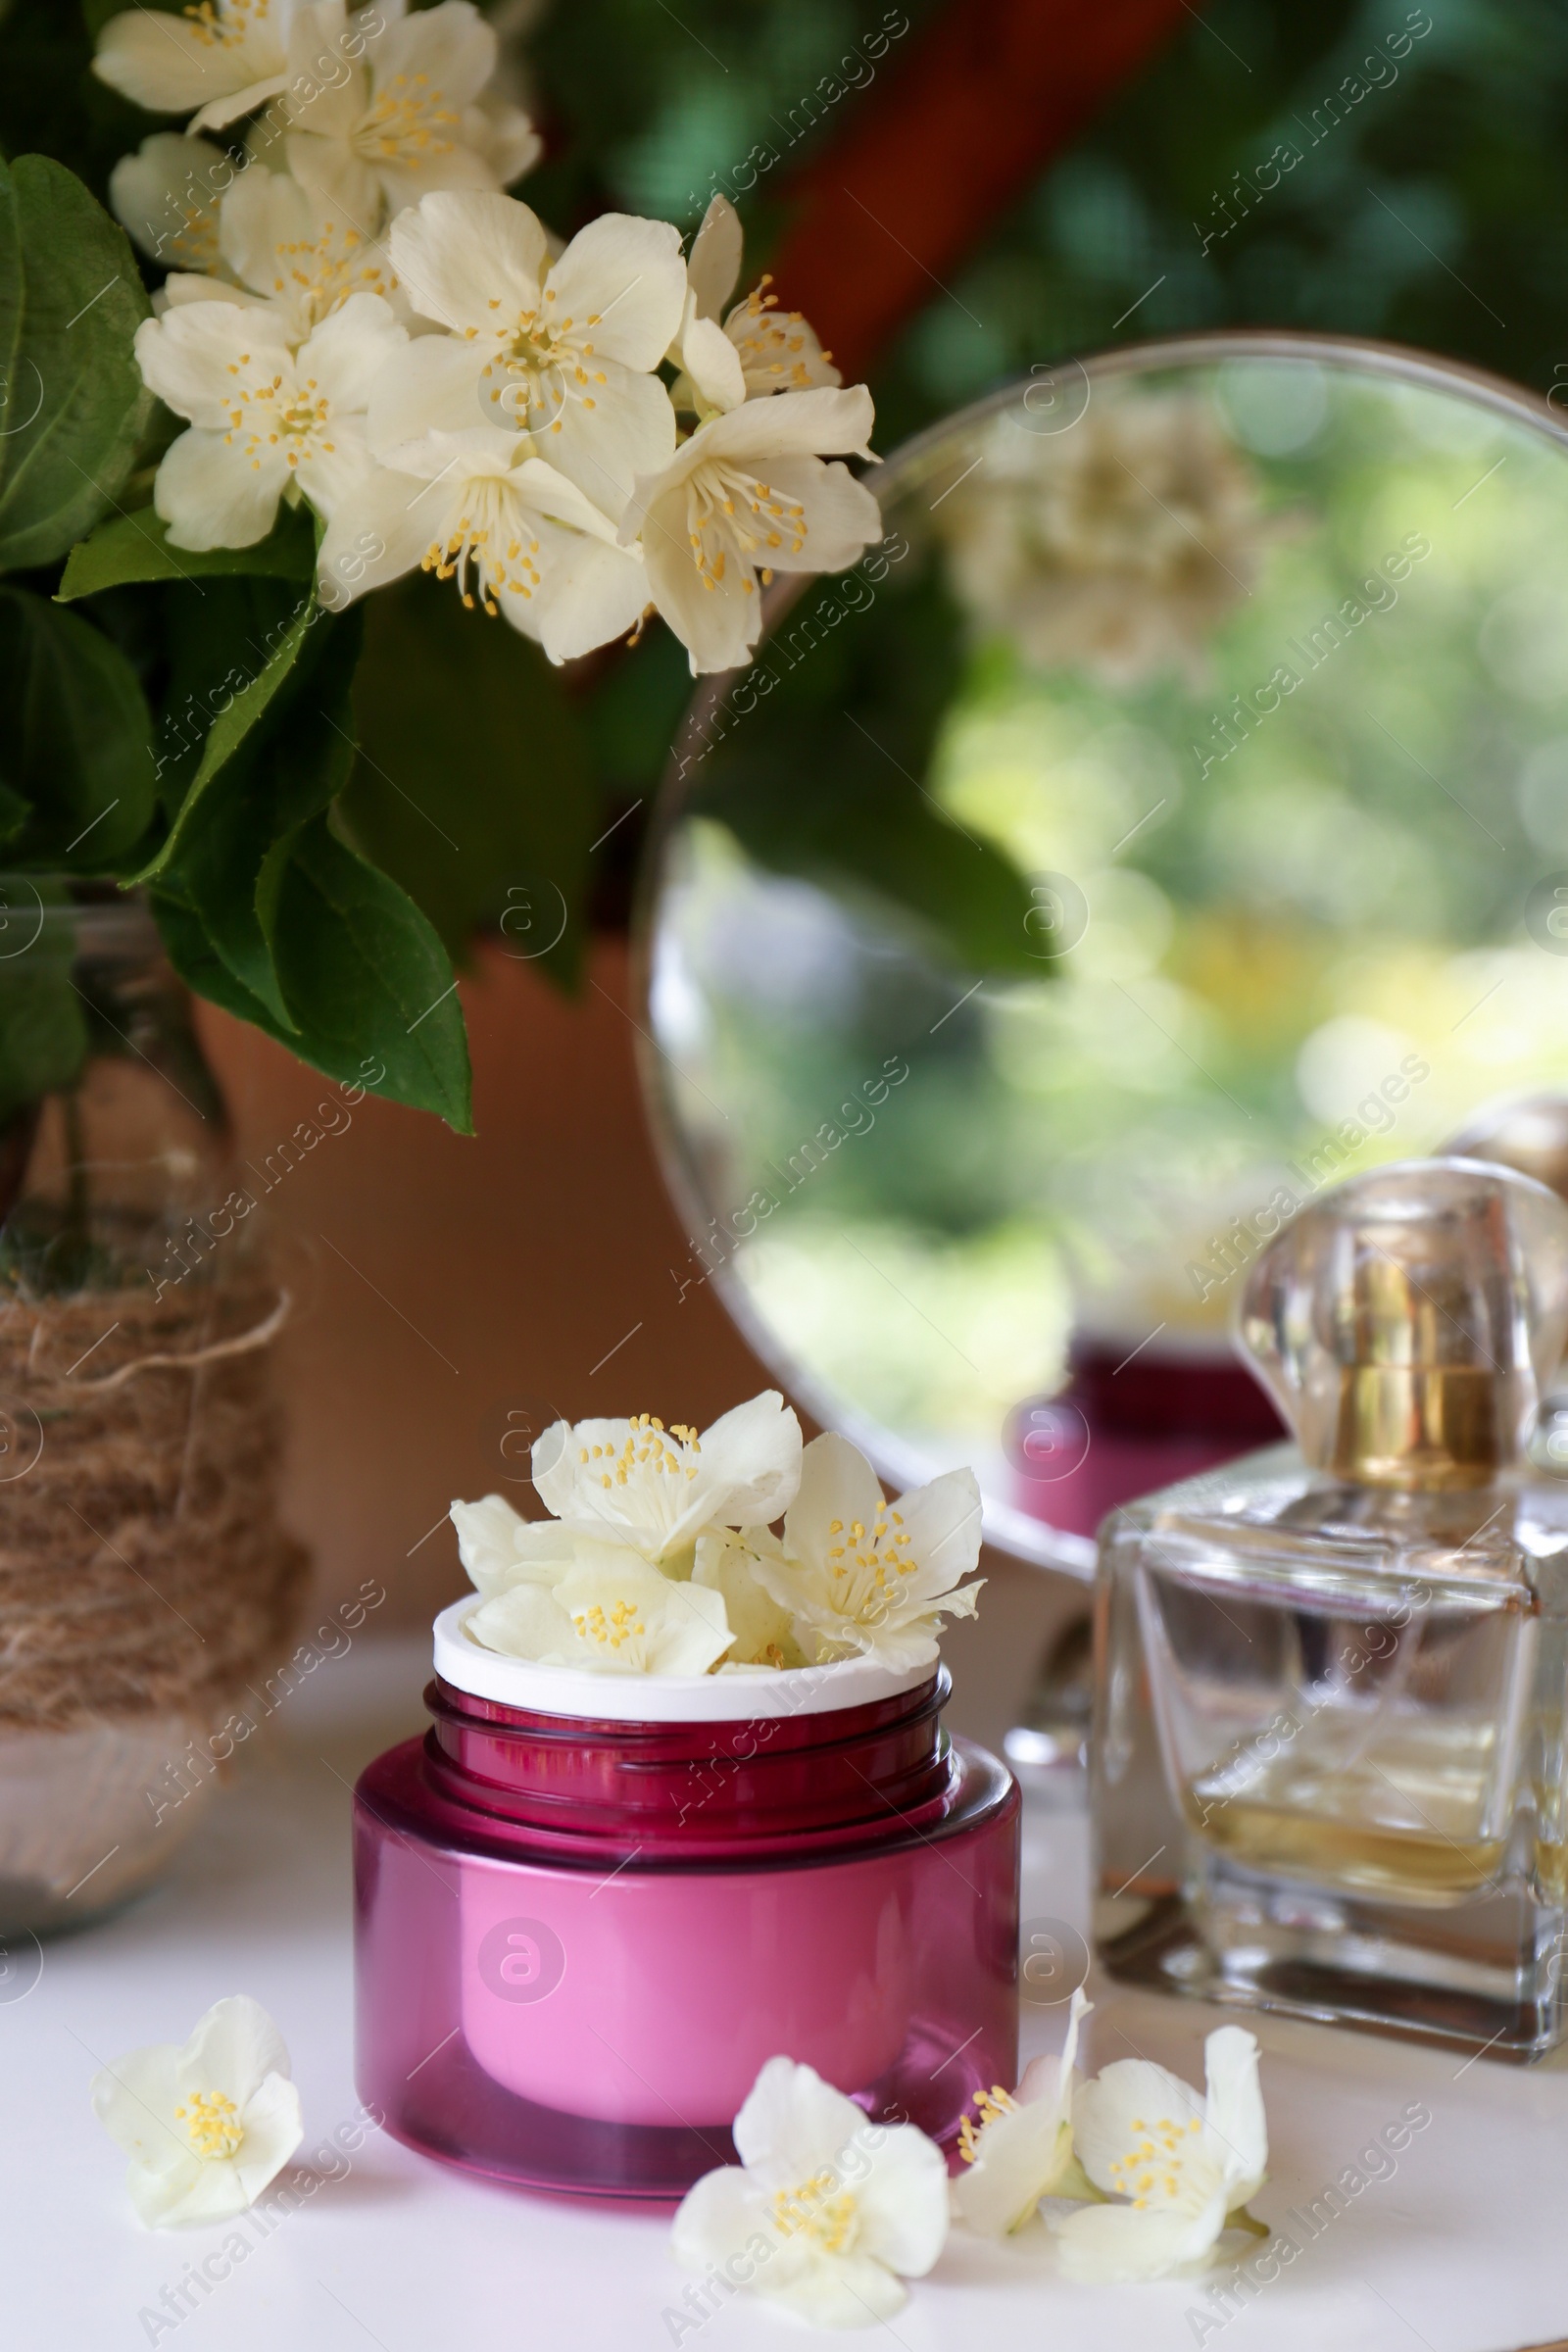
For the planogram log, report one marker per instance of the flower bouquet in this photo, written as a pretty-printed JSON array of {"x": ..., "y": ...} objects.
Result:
[{"x": 341, "y": 357}]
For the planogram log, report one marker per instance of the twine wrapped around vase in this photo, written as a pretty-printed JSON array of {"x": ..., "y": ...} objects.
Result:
[{"x": 143, "y": 1571}]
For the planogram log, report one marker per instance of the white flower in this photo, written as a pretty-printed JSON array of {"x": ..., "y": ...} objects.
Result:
[
  {"x": 1184, "y": 2163},
  {"x": 858, "y": 1575},
  {"x": 747, "y": 491},
  {"x": 397, "y": 112},
  {"x": 611, "y": 1613},
  {"x": 563, "y": 348},
  {"x": 764, "y": 1633},
  {"x": 205, "y": 2126},
  {"x": 826, "y": 2211},
  {"x": 223, "y": 56},
  {"x": 752, "y": 353},
  {"x": 264, "y": 417},
  {"x": 279, "y": 247},
  {"x": 518, "y": 538},
  {"x": 1023, "y": 2149},
  {"x": 167, "y": 196},
  {"x": 634, "y": 1482},
  {"x": 501, "y": 1548},
  {"x": 1116, "y": 546}
]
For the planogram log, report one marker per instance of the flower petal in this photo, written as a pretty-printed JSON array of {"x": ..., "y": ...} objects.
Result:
[
  {"x": 349, "y": 350},
  {"x": 211, "y": 495},
  {"x": 837, "y": 517},
  {"x": 765, "y": 1632},
  {"x": 188, "y": 356},
  {"x": 504, "y": 137},
  {"x": 450, "y": 45},
  {"x": 718, "y": 621},
  {"x": 942, "y": 1521},
  {"x": 714, "y": 266},
  {"x": 430, "y": 385},
  {"x": 185, "y": 2193},
  {"x": 1116, "y": 2111},
  {"x": 525, "y": 1621},
  {"x": 834, "y": 2291},
  {"x": 713, "y": 365},
  {"x": 336, "y": 177},
  {"x": 778, "y": 350},
  {"x": 166, "y": 194},
  {"x": 381, "y": 530},
  {"x": 902, "y": 2198},
  {"x": 263, "y": 212},
  {"x": 461, "y": 251},
  {"x": 718, "y": 2218},
  {"x": 1234, "y": 2110},
  {"x": 1107, "y": 2245},
  {"x": 135, "y": 2101},
  {"x": 1021, "y": 2156},
  {"x": 274, "y": 2129},
  {"x": 745, "y": 1463},
  {"x": 630, "y": 430},
  {"x": 625, "y": 275},
  {"x": 233, "y": 2050},
  {"x": 793, "y": 2124},
  {"x": 753, "y": 1456},
  {"x": 591, "y": 592},
  {"x": 501, "y": 1548},
  {"x": 836, "y": 1481},
  {"x": 331, "y": 473},
  {"x": 167, "y": 64},
  {"x": 822, "y": 421},
  {"x": 219, "y": 113}
]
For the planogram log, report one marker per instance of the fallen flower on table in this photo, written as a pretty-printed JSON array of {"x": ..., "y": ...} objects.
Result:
[
  {"x": 207, "y": 2126},
  {"x": 1022, "y": 2150},
  {"x": 826, "y": 2213},
  {"x": 1186, "y": 2165}
]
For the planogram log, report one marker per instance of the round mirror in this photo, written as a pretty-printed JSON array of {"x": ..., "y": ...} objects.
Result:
[{"x": 1169, "y": 818}]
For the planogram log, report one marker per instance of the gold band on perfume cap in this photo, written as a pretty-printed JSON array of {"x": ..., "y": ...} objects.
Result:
[
  {"x": 1423, "y": 1426},
  {"x": 1405, "y": 1321}
]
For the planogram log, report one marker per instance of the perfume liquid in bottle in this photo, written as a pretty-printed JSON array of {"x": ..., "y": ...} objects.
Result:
[{"x": 1328, "y": 1768}]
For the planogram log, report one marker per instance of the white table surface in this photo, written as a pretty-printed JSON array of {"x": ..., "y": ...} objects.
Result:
[{"x": 1464, "y": 2249}]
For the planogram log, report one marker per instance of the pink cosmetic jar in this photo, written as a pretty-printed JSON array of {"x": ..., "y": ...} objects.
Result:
[{"x": 589, "y": 1907}]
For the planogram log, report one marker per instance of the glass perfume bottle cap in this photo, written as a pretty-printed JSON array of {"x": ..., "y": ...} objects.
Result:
[
  {"x": 1527, "y": 1132},
  {"x": 1406, "y": 1322}
]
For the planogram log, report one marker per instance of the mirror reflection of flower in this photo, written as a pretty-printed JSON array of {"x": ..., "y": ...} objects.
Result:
[{"x": 1116, "y": 544}]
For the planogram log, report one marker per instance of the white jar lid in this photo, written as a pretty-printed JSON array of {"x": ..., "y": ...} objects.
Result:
[{"x": 740, "y": 1698}]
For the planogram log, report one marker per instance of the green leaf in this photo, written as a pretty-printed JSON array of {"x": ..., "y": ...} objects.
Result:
[
  {"x": 356, "y": 958},
  {"x": 135, "y": 547},
  {"x": 475, "y": 787},
  {"x": 202, "y": 968},
  {"x": 43, "y": 1024},
  {"x": 234, "y": 645},
  {"x": 71, "y": 301},
  {"x": 364, "y": 973},
  {"x": 818, "y": 762},
  {"x": 288, "y": 769},
  {"x": 75, "y": 738}
]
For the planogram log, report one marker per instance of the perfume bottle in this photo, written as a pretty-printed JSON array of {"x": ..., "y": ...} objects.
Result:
[
  {"x": 1329, "y": 1767},
  {"x": 1530, "y": 1132}
]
